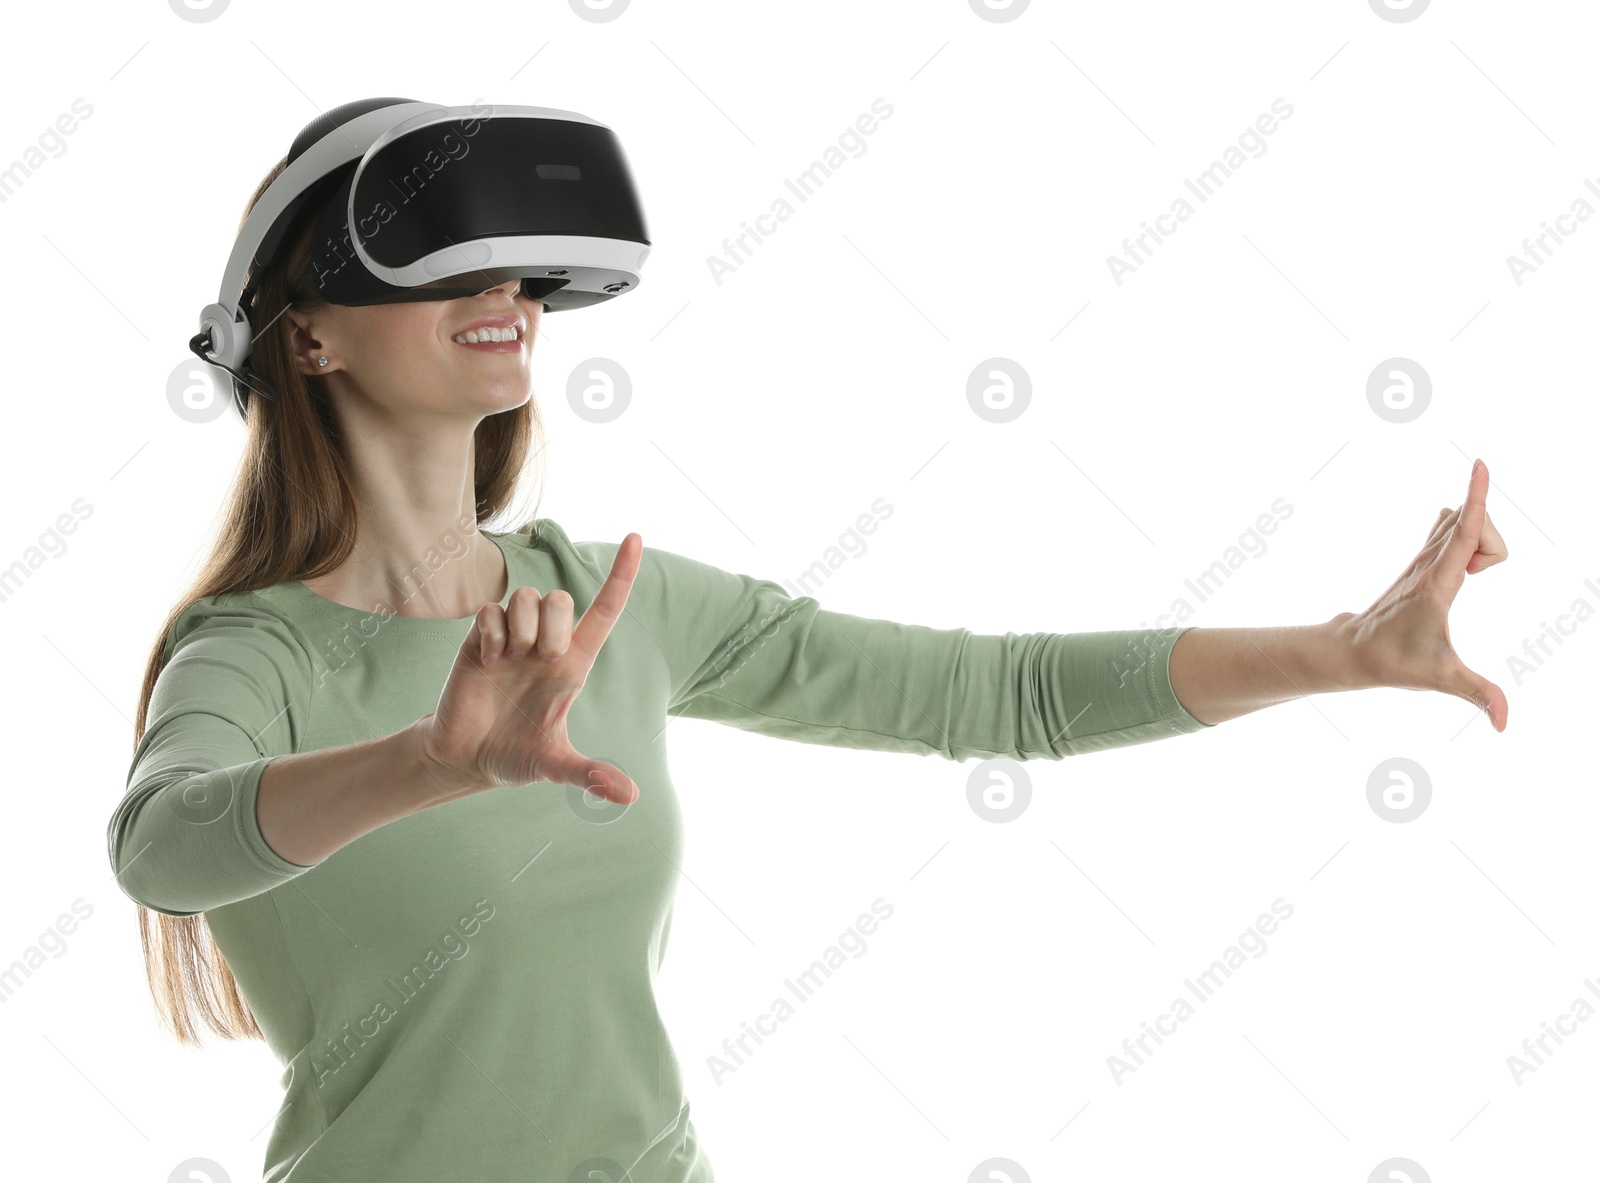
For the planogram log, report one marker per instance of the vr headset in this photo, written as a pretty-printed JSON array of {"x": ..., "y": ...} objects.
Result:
[{"x": 414, "y": 201}]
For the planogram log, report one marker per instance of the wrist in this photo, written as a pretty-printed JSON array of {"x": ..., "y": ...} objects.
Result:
[
  {"x": 1346, "y": 663},
  {"x": 431, "y": 782}
]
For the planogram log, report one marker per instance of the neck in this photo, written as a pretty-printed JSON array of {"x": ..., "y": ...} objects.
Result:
[{"x": 418, "y": 550}]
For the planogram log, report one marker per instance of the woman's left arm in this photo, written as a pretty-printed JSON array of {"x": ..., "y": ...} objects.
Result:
[{"x": 1402, "y": 639}]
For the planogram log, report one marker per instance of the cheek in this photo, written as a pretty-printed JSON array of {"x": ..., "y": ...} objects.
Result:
[
  {"x": 398, "y": 354},
  {"x": 407, "y": 345}
]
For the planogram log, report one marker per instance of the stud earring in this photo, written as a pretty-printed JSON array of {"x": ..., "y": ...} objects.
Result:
[{"x": 322, "y": 361}]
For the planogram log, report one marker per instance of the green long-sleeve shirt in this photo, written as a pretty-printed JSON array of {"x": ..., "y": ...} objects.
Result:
[{"x": 468, "y": 991}]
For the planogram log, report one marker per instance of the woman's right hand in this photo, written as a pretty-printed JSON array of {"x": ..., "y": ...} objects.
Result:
[{"x": 502, "y": 716}]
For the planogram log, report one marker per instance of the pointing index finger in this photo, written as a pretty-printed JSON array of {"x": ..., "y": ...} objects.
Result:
[
  {"x": 1469, "y": 527},
  {"x": 606, "y": 608}
]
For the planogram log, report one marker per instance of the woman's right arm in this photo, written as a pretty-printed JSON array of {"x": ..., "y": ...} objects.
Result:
[
  {"x": 220, "y": 804},
  {"x": 233, "y": 695},
  {"x": 498, "y": 723},
  {"x": 223, "y": 805},
  {"x": 309, "y": 804}
]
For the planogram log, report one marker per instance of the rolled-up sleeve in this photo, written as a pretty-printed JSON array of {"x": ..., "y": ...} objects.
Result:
[
  {"x": 740, "y": 650},
  {"x": 234, "y": 693}
]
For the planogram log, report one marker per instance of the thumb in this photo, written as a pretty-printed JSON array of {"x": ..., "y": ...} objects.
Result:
[
  {"x": 1480, "y": 692},
  {"x": 571, "y": 767}
]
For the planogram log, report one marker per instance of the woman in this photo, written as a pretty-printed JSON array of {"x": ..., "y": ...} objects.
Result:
[{"x": 330, "y": 818}]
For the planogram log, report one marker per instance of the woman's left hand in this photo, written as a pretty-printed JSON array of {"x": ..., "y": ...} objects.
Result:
[{"x": 1403, "y": 638}]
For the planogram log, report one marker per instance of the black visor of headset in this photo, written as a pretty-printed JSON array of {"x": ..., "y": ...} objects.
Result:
[{"x": 413, "y": 201}]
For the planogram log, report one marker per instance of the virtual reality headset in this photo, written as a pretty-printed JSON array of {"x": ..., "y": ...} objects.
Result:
[{"x": 414, "y": 201}]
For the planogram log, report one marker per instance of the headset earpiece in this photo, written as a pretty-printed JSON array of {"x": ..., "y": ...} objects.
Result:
[{"x": 224, "y": 341}]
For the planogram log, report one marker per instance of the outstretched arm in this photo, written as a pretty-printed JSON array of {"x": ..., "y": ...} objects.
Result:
[{"x": 1402, "y": 639}]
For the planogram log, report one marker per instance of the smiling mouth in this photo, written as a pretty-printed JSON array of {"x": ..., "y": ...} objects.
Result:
[
  {"x": 488, "y": 336},
  {"x": 508, "y": 343}
]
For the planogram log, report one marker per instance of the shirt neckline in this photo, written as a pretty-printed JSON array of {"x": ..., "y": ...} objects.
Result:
[{"x": 333, "y": 608}]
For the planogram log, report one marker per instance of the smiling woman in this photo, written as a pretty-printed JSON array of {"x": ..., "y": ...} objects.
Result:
[
  {"x": 304, "y": 815},
  {"x": 379, "y": 359}
]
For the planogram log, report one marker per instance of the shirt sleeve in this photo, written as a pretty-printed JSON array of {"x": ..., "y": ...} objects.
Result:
[
  {"x": 233, "y": 694},
  {"x": 740, "y": 650}
]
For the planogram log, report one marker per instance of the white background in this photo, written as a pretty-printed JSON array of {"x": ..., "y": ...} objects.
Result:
[{"x": 830, "y": 369}]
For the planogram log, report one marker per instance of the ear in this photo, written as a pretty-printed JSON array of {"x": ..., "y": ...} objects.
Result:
[{"x": 305, "y": 346}]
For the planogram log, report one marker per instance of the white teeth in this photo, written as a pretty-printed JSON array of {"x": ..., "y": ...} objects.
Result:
[{"x": 478, "y": 336}]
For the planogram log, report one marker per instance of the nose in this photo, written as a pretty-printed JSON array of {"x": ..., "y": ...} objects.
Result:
[{"x": 511, "y": 286}]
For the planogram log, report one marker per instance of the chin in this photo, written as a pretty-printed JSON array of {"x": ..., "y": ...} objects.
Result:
[{"x": 504, "y": 397}]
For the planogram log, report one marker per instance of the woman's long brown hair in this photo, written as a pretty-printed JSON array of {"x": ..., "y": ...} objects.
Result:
[{"x": 291, "y": 514}]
